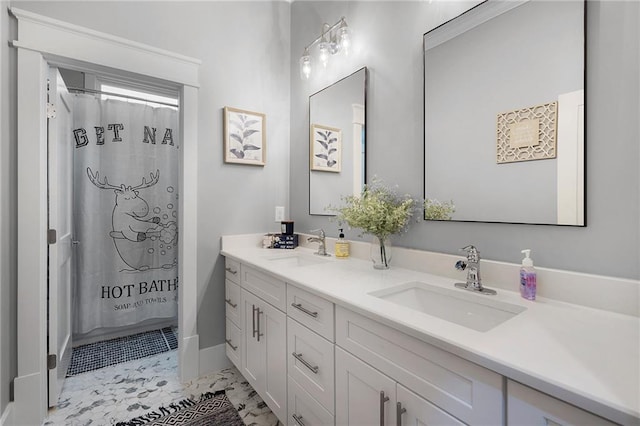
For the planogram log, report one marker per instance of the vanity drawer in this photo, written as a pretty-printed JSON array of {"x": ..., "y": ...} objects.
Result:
[
  {"x": 266, "y": 287},
  {"x": 304, "y": 410},
  {"x": 232, "y": 270},
  {"x": 526, "y": 406},
  {"x": 311, "y": 310},
  {"x": 311, "y": 363},
  {"x": 233, "y": 339},
  {"x": 232, "y": 302},
  {"x": 466, "y": 390}
]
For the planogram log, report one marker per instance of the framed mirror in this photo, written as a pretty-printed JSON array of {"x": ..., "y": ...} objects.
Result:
[
  {"x": 504, "y": 114},
  {"x": 337, "y": 133}
]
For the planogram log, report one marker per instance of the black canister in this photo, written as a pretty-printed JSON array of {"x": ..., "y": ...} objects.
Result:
[{"x": 287, "y": 227}]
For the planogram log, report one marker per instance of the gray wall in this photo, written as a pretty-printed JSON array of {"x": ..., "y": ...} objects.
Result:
[
  {"x": 244, "y": 48},
  {"x": 390, "y": 38}
]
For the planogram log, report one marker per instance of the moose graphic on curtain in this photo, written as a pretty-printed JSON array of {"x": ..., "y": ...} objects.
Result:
[
  {"x": 130, "y": 223},
  {"x": 125, "y": 213}
]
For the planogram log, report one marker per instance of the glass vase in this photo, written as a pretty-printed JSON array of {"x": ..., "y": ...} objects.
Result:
[{"x": 381, "y": 252}]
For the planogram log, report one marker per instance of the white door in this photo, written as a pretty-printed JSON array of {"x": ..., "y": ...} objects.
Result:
[
  {"x": 60, "y": 161},
  {"x": 364, "y": 396},
  {"x": 254, "y": 356}
]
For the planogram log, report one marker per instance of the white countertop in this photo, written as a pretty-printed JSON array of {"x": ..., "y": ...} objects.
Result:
[{"x": 584, "y": 356}]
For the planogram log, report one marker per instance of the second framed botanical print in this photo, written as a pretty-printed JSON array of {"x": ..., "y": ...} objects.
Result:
[{"x": 325, "y": 152}]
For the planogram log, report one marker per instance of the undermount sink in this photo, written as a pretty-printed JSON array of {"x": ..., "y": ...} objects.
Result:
[
  {"x": 477, "y": 312},
  {"x": 297, "y": 259}
]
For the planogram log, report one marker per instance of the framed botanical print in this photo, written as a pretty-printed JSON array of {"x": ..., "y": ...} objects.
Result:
[{"x": 244, "y": 137}]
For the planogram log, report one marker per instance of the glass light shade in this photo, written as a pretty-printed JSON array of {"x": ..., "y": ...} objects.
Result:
[
  {"x": 305, "y": 66},
  {"x": 334, "y": 46},
  {"x": 323, "y": 50},
  {"x": 345, "y": 39}
]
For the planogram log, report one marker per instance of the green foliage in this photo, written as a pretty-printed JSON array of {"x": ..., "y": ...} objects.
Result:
[
  {"x": 378, "y": 211},
  {"x": 438, "y": 210}
]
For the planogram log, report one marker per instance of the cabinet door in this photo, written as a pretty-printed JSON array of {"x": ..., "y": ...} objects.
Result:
[
  {"x": 254, "y": 355},
  {"x": 419, "y": 411},
  {"x": 273, "y": 324},
  {"x": 264, "y": 354},
  {"x": 362, "y": 392}
]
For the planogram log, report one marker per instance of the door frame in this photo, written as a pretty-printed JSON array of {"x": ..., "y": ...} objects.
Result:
[{"x": 43, "y": 41}]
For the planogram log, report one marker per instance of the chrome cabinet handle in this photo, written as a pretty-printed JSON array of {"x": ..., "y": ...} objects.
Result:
[
  {"x": 305, "y": 310},
  {"x": 314, "y": 369},
  {"x": 233, "y": 305},
  {"x": 258, "y": 334},
  {"x": 228, "y": 269},
  {"x": 253, "y": 320},
  {"x": 298, "y": 419},
  {"x": 383, "y": 399},
  {"x": 235, "y": 348},
  {"x": 399, "y": 412}
]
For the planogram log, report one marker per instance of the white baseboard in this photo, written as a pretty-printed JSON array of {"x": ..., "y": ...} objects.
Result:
[
  {"x": 188, "y": 358},
  {"x": 29, "y": 407},
  {"x": 6, "y": 419},
  {"x": 213, "y": 358}
]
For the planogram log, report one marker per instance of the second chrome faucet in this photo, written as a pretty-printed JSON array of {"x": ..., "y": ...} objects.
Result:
[{"x": 472, "y": 265}]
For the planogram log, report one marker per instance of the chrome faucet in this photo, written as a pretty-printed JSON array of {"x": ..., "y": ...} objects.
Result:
[
  {"x": 322, "y": 248},
  {"x": 472, "y": 265}
]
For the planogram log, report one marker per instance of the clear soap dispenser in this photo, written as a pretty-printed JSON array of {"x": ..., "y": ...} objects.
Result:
[
  {"x": 528, "y": 277},
  {"x": 342, "y": 246}
]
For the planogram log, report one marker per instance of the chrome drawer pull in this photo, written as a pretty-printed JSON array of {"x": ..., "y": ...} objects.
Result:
[
  {"x": 228, "y": 269},
  {"x": 383, "y": 399},
  {"x": 400, "y": 411},
  {"x": 305, "y": 310},
  {"x": 235, "y": 348},
  {"x": 305, "y": 363},
  {"x": 233, "y": 305},
  {"x": 298, "y": 419}
]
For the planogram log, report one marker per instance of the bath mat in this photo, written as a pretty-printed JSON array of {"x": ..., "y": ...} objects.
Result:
[
  {"x": 122, "y": 349},
  {"x": 208, "y": 409}
]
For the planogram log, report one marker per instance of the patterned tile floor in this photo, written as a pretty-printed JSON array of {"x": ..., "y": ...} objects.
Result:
[{"x": 124, "y": 391}]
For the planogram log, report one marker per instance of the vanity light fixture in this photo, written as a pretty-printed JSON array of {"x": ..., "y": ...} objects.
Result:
[{"x": 333, "y": 39}]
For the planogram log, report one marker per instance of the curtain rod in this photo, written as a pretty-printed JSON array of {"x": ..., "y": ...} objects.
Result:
[{"x": 100, "y": 92}]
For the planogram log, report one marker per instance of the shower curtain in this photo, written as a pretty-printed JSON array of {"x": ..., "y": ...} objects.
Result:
[{"x": 125, "y": 213}]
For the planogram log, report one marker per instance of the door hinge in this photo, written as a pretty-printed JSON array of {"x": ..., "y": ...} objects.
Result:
[
  {"x": 51, "y": 110},
  {"x": 52, "y": 236},
  {"x": 52, "y": 361}
]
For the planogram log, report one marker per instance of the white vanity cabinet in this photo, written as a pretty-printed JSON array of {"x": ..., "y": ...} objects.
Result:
[
  {"x": 233, "y": 331},
  {"x": 529, "y": 407},
  {"x": 453, "y": 387}
]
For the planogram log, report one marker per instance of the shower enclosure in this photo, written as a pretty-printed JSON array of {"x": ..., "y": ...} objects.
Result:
[{"x": 125, "y": 174}]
